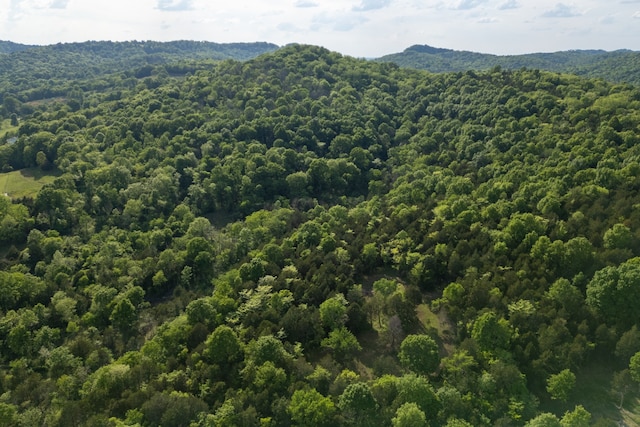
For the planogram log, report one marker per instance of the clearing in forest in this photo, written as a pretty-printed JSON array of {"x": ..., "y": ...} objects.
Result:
[
  {"x": 25, "y": 182},
  {"x": 5, "y": 127}
]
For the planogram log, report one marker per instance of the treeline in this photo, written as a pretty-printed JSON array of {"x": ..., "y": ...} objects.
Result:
[
  {"x": 262, "y": 243},
  {"x": 620, "y": 66},
  {"x": 35, "y": 74}
]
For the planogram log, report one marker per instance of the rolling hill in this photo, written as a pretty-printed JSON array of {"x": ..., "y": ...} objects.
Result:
[
  {"x": 621, "y": 66},
  {"x": 305, "y": 238}
]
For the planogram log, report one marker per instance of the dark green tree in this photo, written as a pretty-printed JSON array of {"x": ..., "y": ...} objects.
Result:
[{"x": 419, "y": 353}]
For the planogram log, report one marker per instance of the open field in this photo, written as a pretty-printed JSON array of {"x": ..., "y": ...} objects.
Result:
[
  {"x": 25, "y": 182},
  {"x": 5, "y": 127}
]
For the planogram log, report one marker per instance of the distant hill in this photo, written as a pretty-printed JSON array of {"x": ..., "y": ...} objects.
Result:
[
  {"x": 618, "y": 66},
  {"x": 29, "y": 71},
  {"x": 10, "y": 47},
  {"x": 154, "y": 51}
]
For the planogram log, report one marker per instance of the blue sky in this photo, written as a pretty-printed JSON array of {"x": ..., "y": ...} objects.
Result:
[{"x": 362, "y": 28}]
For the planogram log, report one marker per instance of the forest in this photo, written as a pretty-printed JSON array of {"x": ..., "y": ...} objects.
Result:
[
  {"x": 309, "y": 239},
  {"x": 620, "y": 66}
]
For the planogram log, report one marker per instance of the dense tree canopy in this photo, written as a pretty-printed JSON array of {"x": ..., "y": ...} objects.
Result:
[{"x": 311, "y": 239}]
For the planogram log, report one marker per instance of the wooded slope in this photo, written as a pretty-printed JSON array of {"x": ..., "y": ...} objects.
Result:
[
  {"x": 311, "y": 239},
  {"x": 620, "y": 66}
]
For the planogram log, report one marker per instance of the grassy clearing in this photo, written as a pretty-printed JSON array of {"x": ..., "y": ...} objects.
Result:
[
  {"x": 631, "y": 412},
  {"x": 5, "y": 127},
  {"x": 437, "y": 325},
  {"x": 428, "y": 318},
  {"x": 592, "y": 390},
  {"x": 25, "y": 182}
]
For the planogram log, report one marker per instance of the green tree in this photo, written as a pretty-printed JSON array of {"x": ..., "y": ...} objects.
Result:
[
  {"x": 560, "y": 385},
  {"x": 566, "y": 295},
  {"x": 544, "y": 420},
  {"x": 614, "y": 292},
  {"x": 8, "y": 415},
  {"x": 41, "y": 160},
  {"x": 123, "y": 315},
  {"x": 310, "y": 408},
  {"x": 342, "y": 342},
  {"x": 634, "y": 367},
  {"x": 628, "y": 344},
  {"x": 456, "y": 422},
  {"x": 106, "y": 383},
  {"x": 579, "y": 417},
  {"x": 357, "y": 404},
  {"x": 491, "y": 332},
  {"x": 385, "y": 287},
  {"x": 412, "y": 388},
  {"x": 222, "y": 347},
  {"x": 618, "y": 237},
  {"x": 409, "y": 415},
  {"x": 333, "y": 312},
  {"x": 268, "y": 348},
  {"x": 419, "y": 353}
]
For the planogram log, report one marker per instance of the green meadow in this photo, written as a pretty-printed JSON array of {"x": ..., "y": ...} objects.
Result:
[{"x": 25, "y": 182}]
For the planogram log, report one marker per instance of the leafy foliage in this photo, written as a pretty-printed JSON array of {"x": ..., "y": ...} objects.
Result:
[
  {"x": 419, "y": 353},
  {"x": 269, "y": 242},
  {"x": 617, "y": 66}
]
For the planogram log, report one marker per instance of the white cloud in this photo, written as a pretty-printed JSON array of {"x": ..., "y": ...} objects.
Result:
[
  {"x": 362, "y": 28},
  {"x": 175, "y": 5},
  {"x": 469, "y": 4},
  {"x": 288, "y": 27},
  {"x": 59, "y": 4},
  {"x": 338, "y": 22},
  {"x": 366, "y": 5},
  {"x": 607, "y": 20},
  {"x": 488, "y": 20},
  {"x": 304, "y": 4},
  {"x": 509, "y": 4},
  {"x": 561, "y": 10}
]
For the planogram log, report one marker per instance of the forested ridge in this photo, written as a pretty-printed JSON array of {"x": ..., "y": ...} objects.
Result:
[
  {"x": 309, "y": 239},
  {"x": 619, "y": 66},
  {"x": 64, "y": 70}
]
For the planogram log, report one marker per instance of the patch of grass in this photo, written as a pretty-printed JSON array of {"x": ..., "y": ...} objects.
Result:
[
  {"x": 631, "y": 411},
  {"x": 25, "y": 182},
  {"x": 428, "y": 318},
  {"x": 592, "y": 390},
  {"x": 5, "y": 127},
  {"x": 437, "y": 325}
]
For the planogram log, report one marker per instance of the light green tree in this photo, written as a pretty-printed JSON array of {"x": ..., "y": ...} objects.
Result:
[
  {"x": 544, "y": 420},
  {"x": 342, "y": 342},
  {"x": 579, "y": 417},
  {"x": 333, "y": 312},
  {"x": 634, "y": 367},
  {"x": 409, "y": 415},
  {"x": 491, "y": 332},
  {"x": 560, "y": 385},
  {"x": 309, "y": 408},
  {"x": 222, "y": 346}
]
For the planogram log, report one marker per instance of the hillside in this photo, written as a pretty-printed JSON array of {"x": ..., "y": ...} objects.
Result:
[
  {"x": 10, "y": 47},
  {"x": 35, "y": 73},
  {"x": 621, "y": 66},
  {"x": 309, "y": 239}
]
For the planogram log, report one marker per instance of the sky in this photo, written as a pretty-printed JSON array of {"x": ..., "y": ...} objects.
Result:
[{"x": 360, "y": 28}]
